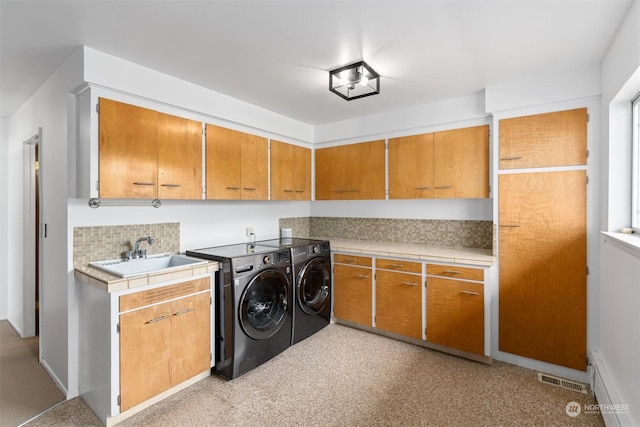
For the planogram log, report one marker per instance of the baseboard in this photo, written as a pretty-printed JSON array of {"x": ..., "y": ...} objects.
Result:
[
  {"x": 608, "y": 396},
  {"x": 55, "y": 379}
]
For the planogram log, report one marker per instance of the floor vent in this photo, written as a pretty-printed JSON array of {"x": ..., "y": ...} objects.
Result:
[{"x": 562, "y": 383}]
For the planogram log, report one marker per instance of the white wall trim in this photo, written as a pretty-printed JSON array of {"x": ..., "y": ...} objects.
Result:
[{"x": 607, "y": 394}]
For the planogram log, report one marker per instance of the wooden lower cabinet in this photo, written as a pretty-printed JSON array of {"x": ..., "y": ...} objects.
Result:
[
  {"x": 163, "y": 345},
  {"x": 399, "y": 303},
  {"x": 352, "y": 293},
  {"x": 455, "y": 314}
]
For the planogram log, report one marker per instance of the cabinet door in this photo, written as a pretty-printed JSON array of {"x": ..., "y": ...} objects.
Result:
[
  {"x": 301, "y": 173},
  {"x": 461, "y": 163},
  {"x": 352, "y": 295},
  {"x": 542, "y": 259},
  {"x": 145, "y": 354},
  {"x": 544, "y": 140},
  {"x": 399, "y": 303},
  {"x": 455, "y": 314},
  {"x": 191, "y": 336},
  {"x": 331, "y": 173},
  {"x": 365, "y": 171},
  {"x": 224, "y": 147},
  {"x": 290, "y": 172},
  {"x": 254, "y": 173},
  {"x": 179, "y": 158},
  {"x": 128, "y": 152},
  {"x": 411, "y": 167}
]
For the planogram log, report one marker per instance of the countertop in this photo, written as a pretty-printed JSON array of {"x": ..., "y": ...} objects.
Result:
[
  {"x": 111, "y": 283},
  {"x": 472, "y": 256}
]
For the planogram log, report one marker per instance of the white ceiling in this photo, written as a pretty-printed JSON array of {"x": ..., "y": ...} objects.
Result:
[{"x": 276, "y": 54}]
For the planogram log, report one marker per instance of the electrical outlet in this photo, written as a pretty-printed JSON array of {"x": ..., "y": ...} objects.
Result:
[{"x": 249, "y": 231}]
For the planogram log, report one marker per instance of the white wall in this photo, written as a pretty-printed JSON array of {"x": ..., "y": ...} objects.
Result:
[
  {"x": 47, "y": 108},
  {"x": 4, "y": 211},
  {"x": 619, "y": 341}
]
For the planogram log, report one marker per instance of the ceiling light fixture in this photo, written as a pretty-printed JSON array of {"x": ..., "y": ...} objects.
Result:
[{"x": 344, "y": 81}]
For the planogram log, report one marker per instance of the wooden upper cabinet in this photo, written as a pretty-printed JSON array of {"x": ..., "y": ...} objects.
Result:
[
  {"x": 544, "y": 140},
  {"x": 128, "y": 152},
  {"x": 290, "y": 172},
  {"x": 237, "y": 166},
  {"x": 411, "y": 167},
  {"x": 145, "y": 154},
  {"x": 351, "y": 172},
  {"x": 461, "y": 163},
  {"x": 179, "y": 158}
]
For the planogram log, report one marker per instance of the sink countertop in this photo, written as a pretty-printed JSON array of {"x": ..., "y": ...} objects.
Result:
[
  {"x": 473, "y": 256},
  {"x": 112, "y": 283}
]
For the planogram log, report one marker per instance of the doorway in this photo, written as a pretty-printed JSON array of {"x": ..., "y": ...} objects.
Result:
[{"x": 32, "y": 252}]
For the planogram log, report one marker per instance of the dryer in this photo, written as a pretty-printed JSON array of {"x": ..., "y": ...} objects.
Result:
[
  {"x": 254, "y": 310},
  {"x": 312, "y": 284}
]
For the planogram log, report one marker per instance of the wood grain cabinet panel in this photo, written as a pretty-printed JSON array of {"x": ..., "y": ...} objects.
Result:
[
  {"x": 544, "y": 140},
  {"x": 455, "y": 314},
  {"x": 399, "y": 303},
  {"x": 447, "y": 164},
  {"x": 543, "y": 262},
  {"x": 128, "y": 151},
  {"x": 461, "y": 163},
  {"x": 411, "y": 167},
  {"x": 290, "y": 172},
  {"x": 145, "y": 154},
  {"x": 163, "y": 345},
  {"x": 352, "y": 294},
  {"x": 351, "y": 172},
  {"x": 237, "y": 165}
]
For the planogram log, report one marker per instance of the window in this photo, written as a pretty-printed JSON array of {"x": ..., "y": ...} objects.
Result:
[{"x": 635, "y": 134}]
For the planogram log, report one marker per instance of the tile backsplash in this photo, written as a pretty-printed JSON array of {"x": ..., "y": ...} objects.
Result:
[
  {"x": 109, "y": 242},
  {"x": 458, "y": 233}
]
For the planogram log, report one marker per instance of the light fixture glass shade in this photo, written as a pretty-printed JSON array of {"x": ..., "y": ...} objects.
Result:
[{"x": 354, "y": 81}]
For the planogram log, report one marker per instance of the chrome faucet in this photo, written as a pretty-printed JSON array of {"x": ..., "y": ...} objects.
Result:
[{"x": 138, "y": 253}]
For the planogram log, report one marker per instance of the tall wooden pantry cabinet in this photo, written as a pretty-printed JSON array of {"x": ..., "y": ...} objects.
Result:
[{"x": 543, "y": 237}]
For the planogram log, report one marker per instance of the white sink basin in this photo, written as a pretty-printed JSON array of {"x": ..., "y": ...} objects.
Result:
[{"x": 151, "y": 264}]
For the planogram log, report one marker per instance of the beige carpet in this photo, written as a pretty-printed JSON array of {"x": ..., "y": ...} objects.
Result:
[
  {"x": 346, "y": 377},
  {"x": 26, "y": 389}
]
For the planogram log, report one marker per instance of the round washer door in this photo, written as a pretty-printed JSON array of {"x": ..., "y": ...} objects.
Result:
[
  {"x": 263, "y": 305},
  {"x": 314, "y": 283}
]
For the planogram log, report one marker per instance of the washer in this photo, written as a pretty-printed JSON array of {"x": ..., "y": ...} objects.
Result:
[
  {"x": 311, "y": 278},
  {"x": 254, "y": 310}
]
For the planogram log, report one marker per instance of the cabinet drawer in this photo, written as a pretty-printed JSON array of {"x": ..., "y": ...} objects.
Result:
[
  {"x": 154, "y": 296},
  {"x": 455, "y": 272},
  {"x": 399, "y": 265},
  {"x": 362, "y": 261}
]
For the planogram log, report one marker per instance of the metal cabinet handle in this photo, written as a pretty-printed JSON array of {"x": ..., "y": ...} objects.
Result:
[
  {"x": 233, "y": 188},
  {"x": 249, "y": 188},
  {"x": 157, "y": 319},
  {"x": 144, "y": 183},
  {"x": 288, "y": 191},
  {"x": 442, "y": 187},
  {"x": 338, "y": 191},
  {"x": 510, "y": 225},
  {"x": 170, "y": 185},
  {"x": 409, "y": 284},
  {"x": 361, "y": 276},
  {"x": 395, "y": 265},
  {"x": 511, "y": 158},
  {"x": 475, "y": 294},
  {"x": 422, "y": 188},
  {"x": 452, "y": 272},
  {"x": 350, "y": 260},
  {"x": 185, "y": 311},
  {"x": 299, "y": 191}
]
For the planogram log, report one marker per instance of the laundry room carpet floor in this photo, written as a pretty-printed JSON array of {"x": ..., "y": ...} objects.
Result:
[{"x": 347, "y": 377}]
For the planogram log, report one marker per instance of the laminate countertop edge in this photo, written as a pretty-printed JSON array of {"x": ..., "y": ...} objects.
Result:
[{"x": 449, "y": 254}]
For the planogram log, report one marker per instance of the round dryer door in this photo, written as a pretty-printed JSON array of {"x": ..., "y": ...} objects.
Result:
[
  {"x": 263, "y": 305},
  {"x": 314, "y": 283}
]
